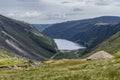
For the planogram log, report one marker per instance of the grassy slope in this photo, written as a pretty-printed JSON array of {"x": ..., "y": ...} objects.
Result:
[
  {"x": 68, "y": 70},
  {"x": 75, "y": 54},
  {"x": 8, "y": 60},
  {"x": 111, "y": 45}
]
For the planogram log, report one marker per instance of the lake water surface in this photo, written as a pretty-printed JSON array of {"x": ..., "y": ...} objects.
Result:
[{"x": 64, "y": 44}]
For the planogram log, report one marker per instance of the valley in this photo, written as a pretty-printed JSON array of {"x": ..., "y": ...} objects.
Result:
[
  {"x": 59, "y": 40},
  {"x": 88, "y": 32},
  {"x": 91, "y": 48}
]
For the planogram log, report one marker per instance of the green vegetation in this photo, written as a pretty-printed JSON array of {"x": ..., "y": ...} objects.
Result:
[
  {"x": 45, "y": 43},
  {"x": 37, "y": 46},
  {"x": 9, "y": 59},
  {"x": 74, "y": 54},
  {"x": 74, "y": 69},
  {"x": 111, "y": 45},
  {"x": 9, "y": 63}
]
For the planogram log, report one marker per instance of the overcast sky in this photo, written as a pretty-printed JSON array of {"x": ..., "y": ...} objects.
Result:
[{"x": 55, "y": 11}]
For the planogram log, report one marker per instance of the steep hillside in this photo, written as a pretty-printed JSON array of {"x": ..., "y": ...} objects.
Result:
[
  {"x": 89, "y": 32},
  {"x": 24, "y": 40},
  {"x": 111, "y": 45}
]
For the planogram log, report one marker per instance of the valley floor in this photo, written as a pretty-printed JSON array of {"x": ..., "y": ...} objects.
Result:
[{"x": 67, "y": 70}]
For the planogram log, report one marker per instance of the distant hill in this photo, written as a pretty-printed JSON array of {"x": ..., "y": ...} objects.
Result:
[
  {"x": 89, "y": 32},
  {"x": 24, "y": 40},
  {"x": 41, "y": 27}
]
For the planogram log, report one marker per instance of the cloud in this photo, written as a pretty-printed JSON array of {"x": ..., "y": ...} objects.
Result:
[
  {"x": 30, "y": 14},
  {"x": 27, "y": 14},
  {"x": 77, "y": 9},
  {"x": 10, "y": 14},
  {"x": 55, "y": 16},
  {"x": 54, "y": 11},
  {"x": 65, "y": 2},
  {"x": 29, "y": 0},
  {"x": 103, "y": 2}
]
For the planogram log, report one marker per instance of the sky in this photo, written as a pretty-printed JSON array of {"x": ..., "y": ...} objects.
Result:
[{"x": 56, "y": 11}]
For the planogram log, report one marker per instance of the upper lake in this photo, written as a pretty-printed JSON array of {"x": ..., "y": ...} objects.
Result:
[{"x": 64, "y": 44}]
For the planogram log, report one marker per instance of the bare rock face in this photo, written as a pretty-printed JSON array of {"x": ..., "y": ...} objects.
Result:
[{"x": 100, "y": 56}]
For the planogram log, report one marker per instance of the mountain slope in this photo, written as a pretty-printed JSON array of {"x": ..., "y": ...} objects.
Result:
[
  {"x": 24, "y": 40},
  {"x": 87, "y": 32},
  {"x": 111, "y": 45}
]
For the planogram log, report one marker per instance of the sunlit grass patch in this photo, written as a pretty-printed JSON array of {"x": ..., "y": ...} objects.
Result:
[
  {"x": 9, "y": 62},
  {"x": 66, "y": 62},
  {"x": 75, "y": 69}
]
